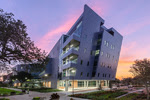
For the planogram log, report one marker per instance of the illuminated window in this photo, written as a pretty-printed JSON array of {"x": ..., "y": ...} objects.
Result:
[{"x": 96, "y": 52}]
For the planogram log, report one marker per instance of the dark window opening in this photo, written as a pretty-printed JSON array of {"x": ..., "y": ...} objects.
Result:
[
  {"x": 81, "y": 74},
  {"x": 93, "y": 74},
  {"x": 87, "y": 74},
  {"x": 98, "y": 74},
  {"x": 109, "y": 75},
  {"x": 103, "y": 75},
  {"x": 88, "y": 63},
  {"x": 81, "y": 62}
]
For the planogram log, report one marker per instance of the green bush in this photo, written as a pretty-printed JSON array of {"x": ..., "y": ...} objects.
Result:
[{"x": 36, "y": 98}]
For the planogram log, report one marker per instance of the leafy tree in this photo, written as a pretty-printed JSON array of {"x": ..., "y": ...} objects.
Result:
[
  {"x": 116, "y": 81},
  {"x": 141, "y": 69},
  {"x": 127, "y": 81},
  {"x": 15, "y": 45},
  {"x": 22, "y": 76}
]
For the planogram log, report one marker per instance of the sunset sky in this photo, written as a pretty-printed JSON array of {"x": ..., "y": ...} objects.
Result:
[{"x": 47, "y": 20}]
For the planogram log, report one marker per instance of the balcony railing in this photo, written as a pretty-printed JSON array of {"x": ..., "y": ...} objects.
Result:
[
  {"x": 72, "y": 48},
  {"x": 73, "y": 61}
]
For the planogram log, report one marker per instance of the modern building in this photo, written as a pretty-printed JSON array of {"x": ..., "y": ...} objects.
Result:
[{"x": 86, "y": 57}]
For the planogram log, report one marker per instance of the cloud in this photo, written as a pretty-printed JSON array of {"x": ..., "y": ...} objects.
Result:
[{"x": 50, "y": 38}]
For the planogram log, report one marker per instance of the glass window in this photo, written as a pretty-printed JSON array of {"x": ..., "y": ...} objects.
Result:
[
  {"x": 84, "y": 50},
  {"x": 87, "y": 74},
  {"x": 104, "y": 42},
  {"x": 88, "y": 63},
  {"x": 80, "y": 83},
  {"x": 81, "y": 74},
  {"x": 96, "y": 52},
  {"x": 81, "y": 62},
  {"x": 111, "y": 47},
  {"x": 98, "y": 74},
  {"x": 107, "y": 44},
  {"x": 92, "y": 83}
]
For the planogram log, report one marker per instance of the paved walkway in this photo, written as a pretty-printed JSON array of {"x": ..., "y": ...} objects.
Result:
[{"x": 63, "y": 95}]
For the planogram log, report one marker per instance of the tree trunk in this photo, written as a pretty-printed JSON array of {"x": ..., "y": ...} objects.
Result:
[{"x": 147, "y": 91}]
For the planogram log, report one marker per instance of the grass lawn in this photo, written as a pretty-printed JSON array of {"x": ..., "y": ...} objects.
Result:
[
  {"x": 4, "y": 91},
  {"x": 100, "y": 95}
]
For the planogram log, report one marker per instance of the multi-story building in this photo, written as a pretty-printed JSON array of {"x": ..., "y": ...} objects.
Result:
[{"x": 87, "y": 56}]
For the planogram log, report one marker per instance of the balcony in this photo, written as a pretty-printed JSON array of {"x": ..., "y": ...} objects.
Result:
[
  {"x": 71, "y": 48},
  {"x": 69, "y": 73},
  {"x": 72, "y": 39},
  {"x": 71, "y": 60}
]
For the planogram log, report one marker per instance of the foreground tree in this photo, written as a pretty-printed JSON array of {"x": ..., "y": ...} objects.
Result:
[
  {"x": 15, "y": 45},
  {"x": 141, "y": 69},
  {"x": 22, "y": 76}
]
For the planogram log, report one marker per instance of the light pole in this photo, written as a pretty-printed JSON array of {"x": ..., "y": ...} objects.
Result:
[{"x": 73, "y": 72}]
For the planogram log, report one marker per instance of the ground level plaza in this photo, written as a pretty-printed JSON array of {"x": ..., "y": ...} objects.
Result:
[{"x": 68, "y": 85}]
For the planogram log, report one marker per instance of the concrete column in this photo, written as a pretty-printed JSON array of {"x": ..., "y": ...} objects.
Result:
[
  {"x": 87, "y": 84},
  {"x": 84, "y": 83},
  {"x": 97, "y": 83},
  {"x": 66, "y": 85},
  {"x": 108, "y": 83}
]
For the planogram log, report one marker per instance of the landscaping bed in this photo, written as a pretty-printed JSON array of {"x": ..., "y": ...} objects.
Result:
[
  {"x": 100, "y": 95},
  {"x": 6, "y": 92},
  {"x": 43, "y": 90},
  {"x": 134, "y": 96}
]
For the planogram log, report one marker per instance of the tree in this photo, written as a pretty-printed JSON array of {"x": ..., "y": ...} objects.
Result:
[
  {"x": 116, "y": 81},
  {"x": 15, "y": 45},
  {"x": 22, "y": 76},
  {"x": 127, "y": 81},
  {"x": 141, "y": 69}
]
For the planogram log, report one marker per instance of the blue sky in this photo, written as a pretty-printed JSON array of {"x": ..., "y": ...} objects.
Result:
[{"x": 47, "y": 20}]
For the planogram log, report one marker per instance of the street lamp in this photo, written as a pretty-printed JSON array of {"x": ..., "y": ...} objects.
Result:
[{"x": 73, "y": 74}]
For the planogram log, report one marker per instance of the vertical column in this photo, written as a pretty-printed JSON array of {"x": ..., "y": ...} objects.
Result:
[
  {"x": 108, "y": 83},
  {"x": 87, "y": 83},
  {"x": 97, "y": 83},
  {"x": 66, "y": 85},
  {"x": 84, "y": 83}
]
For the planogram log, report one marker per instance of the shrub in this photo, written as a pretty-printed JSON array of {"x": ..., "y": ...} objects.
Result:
[
  {"x": 54, "y": 96},
  {"x": 5, "y": 94},
  {"x": 12, "y": 93},
  {"x": 36, "y": 98}
]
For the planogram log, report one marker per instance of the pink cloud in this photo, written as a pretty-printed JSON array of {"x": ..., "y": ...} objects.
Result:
[{"x": 50, "y": 38}]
